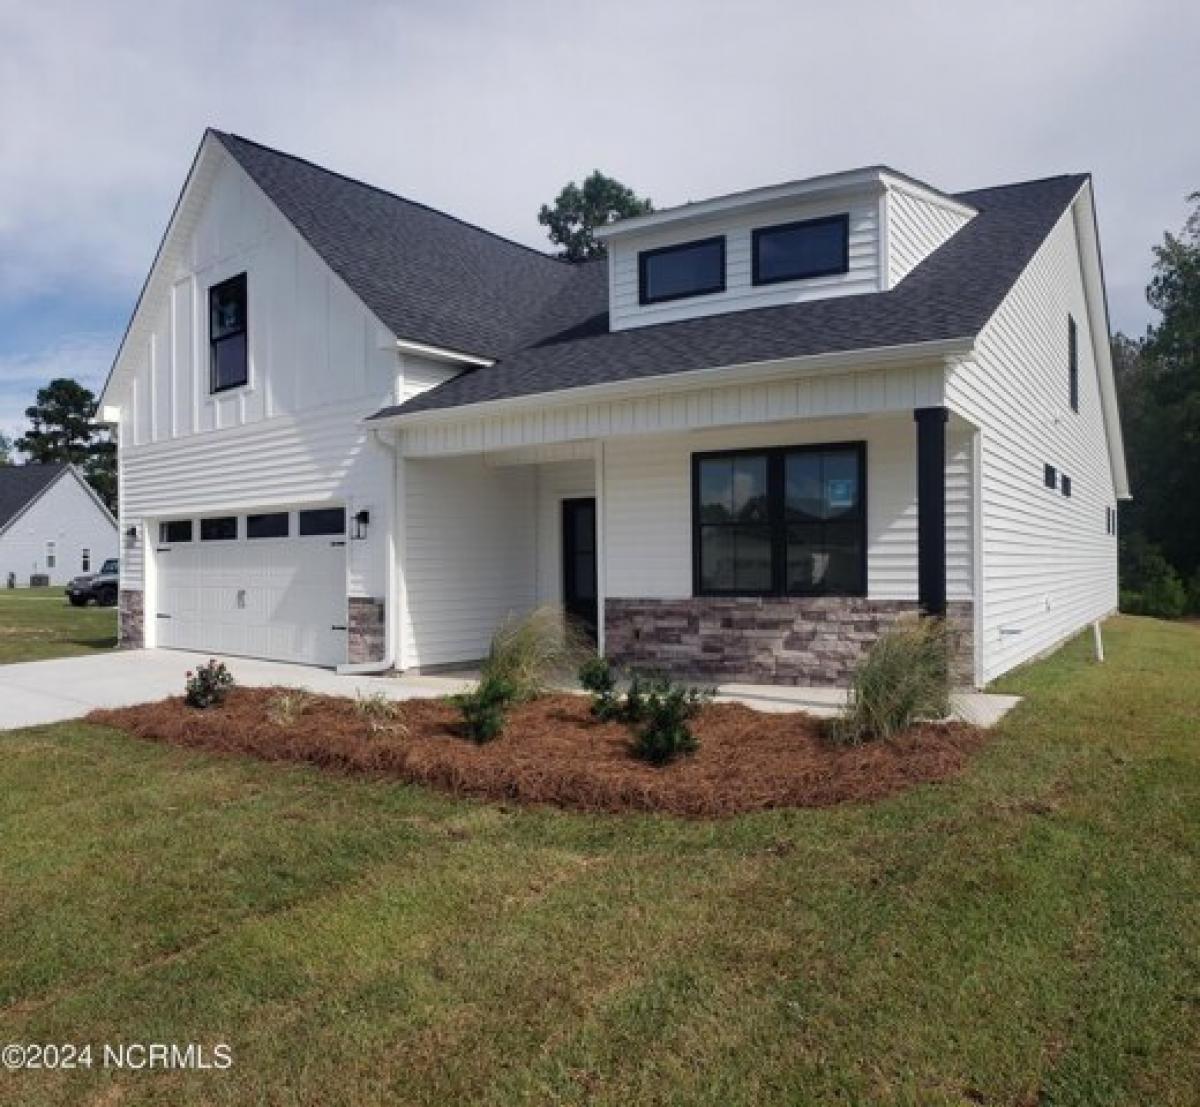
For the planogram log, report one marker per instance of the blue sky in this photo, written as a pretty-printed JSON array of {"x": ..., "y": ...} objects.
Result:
[{"x": 485, "y": 110}]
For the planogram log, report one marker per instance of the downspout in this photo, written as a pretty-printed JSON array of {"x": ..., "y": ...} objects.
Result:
[{"x": 390, "y": 621}]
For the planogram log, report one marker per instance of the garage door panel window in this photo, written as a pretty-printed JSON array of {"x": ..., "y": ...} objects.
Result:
[
  {"x": 272, "y": 525},
  {"x": 223, "y": 528},
  {"x": 324, "y": 520},
  {"x": 175, "y": 530}
]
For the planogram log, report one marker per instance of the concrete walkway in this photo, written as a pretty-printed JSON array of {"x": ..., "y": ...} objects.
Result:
[{"x": 36, "y": 692}]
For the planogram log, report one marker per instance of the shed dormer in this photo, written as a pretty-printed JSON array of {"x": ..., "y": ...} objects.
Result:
[{"x": 838, "y": 235}]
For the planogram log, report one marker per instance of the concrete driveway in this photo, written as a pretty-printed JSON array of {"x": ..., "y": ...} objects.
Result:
[{"x": 35, "y": 692}]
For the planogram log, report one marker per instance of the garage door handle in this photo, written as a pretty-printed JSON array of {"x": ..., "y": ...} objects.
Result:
[
  {"x": 335, "y": 627},
  {"x": 337, "y": 543},
  {"x": 162, "y": 549},
  {"x": 162, "y": 616}
]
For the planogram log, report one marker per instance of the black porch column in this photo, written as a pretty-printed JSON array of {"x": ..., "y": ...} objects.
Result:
[{"x": 931, "y": 509}]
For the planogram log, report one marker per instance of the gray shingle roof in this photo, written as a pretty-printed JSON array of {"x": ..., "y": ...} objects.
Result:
[
  {"x": 950, "y": 295},
  {"x": 429, "y": 277},
  {"x": 21, "y": 484}
]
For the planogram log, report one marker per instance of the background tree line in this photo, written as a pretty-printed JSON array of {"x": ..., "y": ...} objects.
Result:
[{"x": 1158, "y": 382}]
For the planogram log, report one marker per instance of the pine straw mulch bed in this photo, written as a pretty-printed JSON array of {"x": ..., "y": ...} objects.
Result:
[{"x": 553, "y": 751}]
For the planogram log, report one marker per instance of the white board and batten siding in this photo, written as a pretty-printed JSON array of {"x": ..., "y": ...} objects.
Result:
[
  {"x": 647, "y": 509},
  {"x": 863, "y": 209},
  {"x": 63, "y": 522},
  {"x": 1049, "y": 567}
]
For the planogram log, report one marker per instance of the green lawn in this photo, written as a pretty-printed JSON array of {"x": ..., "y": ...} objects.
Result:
[
  {"x": 1028, "y": 934},
  {"x": 36, "y": 623}
]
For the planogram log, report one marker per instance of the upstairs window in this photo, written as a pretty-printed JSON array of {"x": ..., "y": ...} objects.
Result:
[
  {"x": 85, "y": 561},
  {"x": 1066, "y": 486},
  {"x": 673, "y": 272},
  {"x": 788, "y": 521},
  {"x": 797, "y": 251},
  {"x": 229, "y": 365},
  {"x": 1050, "y": 477},
  {"x": 51, "y": 556},
  {"x": 1073, "y": 362}
]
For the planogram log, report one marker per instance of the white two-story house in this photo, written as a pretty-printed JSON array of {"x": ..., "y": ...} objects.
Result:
[{"x": 355, "y": 431}]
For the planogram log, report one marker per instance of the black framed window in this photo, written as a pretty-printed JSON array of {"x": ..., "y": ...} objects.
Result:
[
  {"x": 175, "y": 530},
  {"x": 1066, "y": 486},
  {"x": 1050, "y": 476},
  {"x": 223, "y": 528},
  {"x": 271, "y": 525},
  {"x": 780, "y": 521},
  {"x": 229, "y": 363},
  {"x": 673, "y": 272},
  {"x": 323, "y": 520},
  {"x": 798, "y": 251},
  {"x": 1073, "y": 362}
]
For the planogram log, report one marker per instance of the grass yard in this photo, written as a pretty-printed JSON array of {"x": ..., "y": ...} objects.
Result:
[
  {"x": 1028, "y": 933},
  {"x": 37, "y": 623}
]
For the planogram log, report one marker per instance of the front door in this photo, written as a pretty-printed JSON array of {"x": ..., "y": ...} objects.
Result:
[{"x": 579, "y": 560}]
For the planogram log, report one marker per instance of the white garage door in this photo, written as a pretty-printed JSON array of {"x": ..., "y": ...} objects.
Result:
[{"x": 281, "y": 597}]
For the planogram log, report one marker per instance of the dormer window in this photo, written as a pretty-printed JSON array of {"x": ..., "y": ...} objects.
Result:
[
  {"x": 798, "y": 251},
  {"x": 229, "y": 365},
  {"x": 674, "y": 272}
]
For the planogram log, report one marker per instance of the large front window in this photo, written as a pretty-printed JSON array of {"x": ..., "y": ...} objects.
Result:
[{"x": 786, "y": 521}]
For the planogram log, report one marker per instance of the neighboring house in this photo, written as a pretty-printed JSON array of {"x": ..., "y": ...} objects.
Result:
[
  {"x": 52, "y": 525},
  {"x": 354, "y": 429}
]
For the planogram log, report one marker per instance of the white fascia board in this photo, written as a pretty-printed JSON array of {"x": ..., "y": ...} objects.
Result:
[
  {"x": 946, "y": 350},
  {"x": 440, "y": 353}
]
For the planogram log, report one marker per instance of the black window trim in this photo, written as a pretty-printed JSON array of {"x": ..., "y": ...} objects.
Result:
[
  {"x": 643, "y": 255},
  {"x": 776, "y": 491},
  {"x": 1073, "y": 362},
  {"x": 213, "y": 390},
  {"x": 825, "y": 220}
]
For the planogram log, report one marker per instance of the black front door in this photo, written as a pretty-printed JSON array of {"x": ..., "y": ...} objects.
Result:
[{"x": 579, "y": 560}]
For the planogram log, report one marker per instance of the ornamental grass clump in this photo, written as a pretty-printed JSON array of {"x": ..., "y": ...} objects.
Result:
[
  {"x": 903, "y": 679},
  {"x": 534, "y": 652},
  {"x": 207, "y": 685}
]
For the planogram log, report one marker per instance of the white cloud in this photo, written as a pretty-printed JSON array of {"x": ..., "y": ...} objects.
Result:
[{"x": 486, "y": 109}]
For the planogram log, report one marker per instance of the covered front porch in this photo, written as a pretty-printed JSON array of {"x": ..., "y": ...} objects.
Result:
[{"x": 722, "y": 535}]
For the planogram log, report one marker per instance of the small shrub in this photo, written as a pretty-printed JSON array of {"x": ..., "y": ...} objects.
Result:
[
  {"x": 597, "y": 677},
  {"x": 904, "y": 677},
  {"x": 381, "y": 713},
  {"x": 1193, "y": 590},
  {"x": 1150, "y": 584},
  {"x": 485, "y": 709},
  {"x": 287, "y": 705},
  {"x": 531, "y": 653},
  {"x": 207, "y": 685},
  {"x": 663, "y": 732}
]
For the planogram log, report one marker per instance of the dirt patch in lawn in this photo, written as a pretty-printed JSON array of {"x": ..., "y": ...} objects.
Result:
[{"x": 553, "y": 751}]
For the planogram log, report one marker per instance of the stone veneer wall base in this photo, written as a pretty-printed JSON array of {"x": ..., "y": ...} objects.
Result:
[
  {"x": 365, "y": 630},
  {"x": 131, "y": 620},
  {"x": 791, "y": 640}
]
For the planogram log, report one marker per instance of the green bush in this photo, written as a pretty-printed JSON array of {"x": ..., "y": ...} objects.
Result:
[
  {"x": 665, "y": 709},
  {"x": 597, "y": 677},
  {"x": 1193, "y": 591},
  {"x": 533, "y": 652},
  {"x": 1149, "y": 583},
  {"x": 484, "y": 710},
  {"x": 207, "y": 685},
  {"x": 904, "y": 677}
]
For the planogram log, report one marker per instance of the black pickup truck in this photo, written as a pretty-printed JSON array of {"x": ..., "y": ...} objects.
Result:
[{"x": 100, "y": 587}]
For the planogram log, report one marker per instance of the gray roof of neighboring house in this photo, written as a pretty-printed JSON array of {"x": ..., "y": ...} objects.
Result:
[
  {"x": 951, "y": 294},
  {"x": 20, "y": 485},
  {"x": 436, "y": 280}
]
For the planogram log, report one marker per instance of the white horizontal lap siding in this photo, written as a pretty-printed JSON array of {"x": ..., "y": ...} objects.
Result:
[
  {"x": 740, "y": 291},
  {"x": 960, "y": 520},
  {"x": 67, "y": 515},
  {"x": 900, "y": 388},
  {"x": 470, "y": 556},
  {"x": 916, "y": 226},
  {"x": 648, "y": 503},
  {"x": 319, "y": 362},
  {"x": 1049, "y": 567}
]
